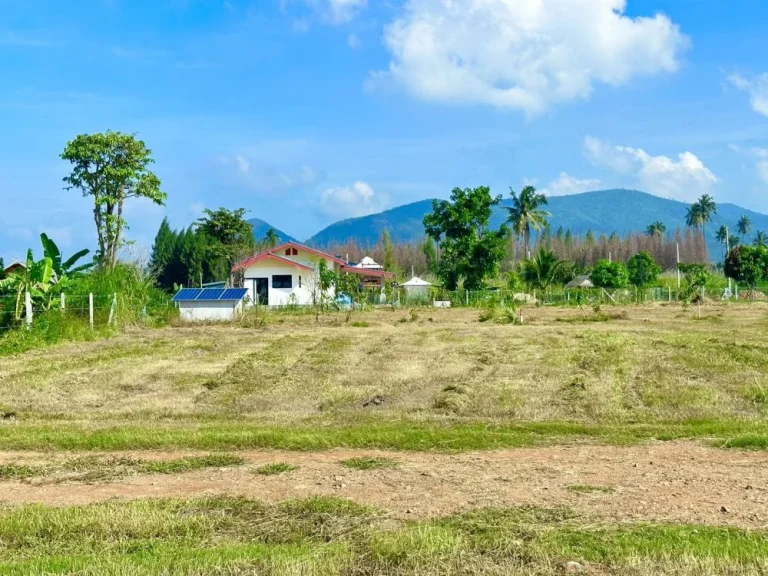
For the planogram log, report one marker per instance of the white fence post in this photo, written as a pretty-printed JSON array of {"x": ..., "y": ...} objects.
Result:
[
  {"x": 466, "y": 297},
  {"x": 90, "y": 308},
  {"x": 63, "y": 302},
  {"x": 28, "y": 304},
  {"x": 113, "y": 310}
]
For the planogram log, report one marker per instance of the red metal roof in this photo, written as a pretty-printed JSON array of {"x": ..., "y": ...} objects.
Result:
[
  {"x": 310, "y": 250},
  {"x": 272, "y": 253},
  {"x": 367, "y": 272},
  {"x": 268, "y": 255}
]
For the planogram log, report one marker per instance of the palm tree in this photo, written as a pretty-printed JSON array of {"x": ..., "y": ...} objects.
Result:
[
  {"x": 541, "y": 270},
  {"x": 693, "y": 219},
  {"x": 272, "y": 238},
  {"x": 761, "y": 239},
  {"x": 526, "y": 214},
  {"x": 744, "y": 225},
  {"x": 707, "y": 208},
  {"x": 722, "y": 236},
  {"x": 656, "y": 229}
]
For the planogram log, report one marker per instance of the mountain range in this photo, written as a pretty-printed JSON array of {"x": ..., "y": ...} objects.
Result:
[{"x": 603, "y": 212}]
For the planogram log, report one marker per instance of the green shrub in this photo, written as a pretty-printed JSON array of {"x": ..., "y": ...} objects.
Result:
[{"x": 610, "y": 275}]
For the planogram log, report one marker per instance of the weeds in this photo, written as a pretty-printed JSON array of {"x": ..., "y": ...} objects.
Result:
[
  {"x": 589, "y": 489},
  {"x": 276, "y": 468},
  {"x": 369, "y": 463}
]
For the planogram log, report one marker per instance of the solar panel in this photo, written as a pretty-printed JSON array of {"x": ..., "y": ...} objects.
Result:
[
  {"x": 234, "y": 294},
  {"x": 187, "y": 294},
  {"x": 211, "y": 294}
]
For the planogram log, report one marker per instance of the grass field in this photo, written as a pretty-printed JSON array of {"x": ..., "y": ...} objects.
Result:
[{"x": 436, "y": 381}]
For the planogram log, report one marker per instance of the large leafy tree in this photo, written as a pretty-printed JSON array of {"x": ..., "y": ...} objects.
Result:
[
  {"x": 526, "y": 214},
  {"x": 607, "y": 274},
  {"x": 744, "y": 225},
  {"x": 470, "y": 251},
  {"x": 230, "y": 234},
  {"x": 748, "y": 264},
  {"x": 642, "y": 269},
  {"x": 430, "y": 254},
  {"x": 111, "y": 167},
  {"x": 542, "y": 270},
  {"x": 656, "y": 229}
]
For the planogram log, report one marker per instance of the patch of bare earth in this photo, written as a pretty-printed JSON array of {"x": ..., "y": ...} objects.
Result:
[{"x": 672, "y": 481}]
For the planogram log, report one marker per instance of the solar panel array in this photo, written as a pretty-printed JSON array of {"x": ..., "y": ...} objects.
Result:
[{"x": 210, "y": 294}]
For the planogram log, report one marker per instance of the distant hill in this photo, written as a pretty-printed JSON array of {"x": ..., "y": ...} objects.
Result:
[
  {"x": 603, "y": 211},
  {"x": 260, "y": 229}
]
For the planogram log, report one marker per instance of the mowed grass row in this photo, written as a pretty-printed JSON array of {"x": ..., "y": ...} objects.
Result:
[
  {"x": 401, "y": 435},
  {"x": 441, "y": 375},
  {"x": 326, "y": 536}
]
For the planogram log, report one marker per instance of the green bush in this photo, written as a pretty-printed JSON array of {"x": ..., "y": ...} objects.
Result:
[
  {"x": 643, "y": 269},
  {"x": 611, "y": 275}
]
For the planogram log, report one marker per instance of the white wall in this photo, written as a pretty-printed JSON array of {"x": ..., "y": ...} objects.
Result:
[
  {"x": 282, "y": 296},
  {"x": 195, "y": 311}
]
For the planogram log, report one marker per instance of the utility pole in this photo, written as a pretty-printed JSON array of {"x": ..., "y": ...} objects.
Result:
[
  {"x": 677, "y": 248},
  {"x": 727, "y": 250}
]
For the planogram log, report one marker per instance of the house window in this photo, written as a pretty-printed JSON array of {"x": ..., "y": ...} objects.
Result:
[
  {"x": 291, "y": 252},
  {"x": 282, "y": 281}
]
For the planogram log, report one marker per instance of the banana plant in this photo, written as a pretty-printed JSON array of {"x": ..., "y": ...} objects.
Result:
[
  {"x": 66, "y": 268},
  {"x": 34, "y": 277}
]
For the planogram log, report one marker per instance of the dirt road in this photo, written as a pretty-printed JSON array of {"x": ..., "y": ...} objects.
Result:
[{"x": 674, "y": 481}]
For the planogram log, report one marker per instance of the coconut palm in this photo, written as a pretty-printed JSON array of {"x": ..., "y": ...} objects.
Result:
[
  {"x": 526, "y": 214},
  {"x": 656, "y": 229},
  {"x": 744, "y": 225},
  {"x": 541, "y": 270},
  {"x": 272, "y": 238},
  {"x": 722, "y": 236},
  {"x": 761, "y": 239},
  {"x": 707, "y": 208}
]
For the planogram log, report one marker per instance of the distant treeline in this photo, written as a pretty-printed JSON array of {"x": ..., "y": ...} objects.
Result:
[{"x": 582, "y": 250}]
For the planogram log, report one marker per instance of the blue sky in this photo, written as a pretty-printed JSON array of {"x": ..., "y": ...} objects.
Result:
[{"x": 309, "y": 111}]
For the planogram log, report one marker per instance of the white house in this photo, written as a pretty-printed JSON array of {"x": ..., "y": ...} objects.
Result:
[
  {"x": 288, "y": 274},
  {"x": 210, "y": 303}
]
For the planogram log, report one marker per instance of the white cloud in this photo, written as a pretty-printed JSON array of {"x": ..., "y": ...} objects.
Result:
[
  {"x": 333, "y": 11},
  {"x": 360, "y": 199},
  {"x": 760, "y": 156},
  {"x": 567, "y": 184},
  {"x": 757, "y": 88},
  {"x": 266, "y": 178},
  {"x": 345, "y": 10},
  {"x": 353, "y": 41},
  {"x": 196, "y": 208},
  {"x": 684, "y": 179},
  {"x": 524, "y": 54},
  {"x": 242, "y": 164}
]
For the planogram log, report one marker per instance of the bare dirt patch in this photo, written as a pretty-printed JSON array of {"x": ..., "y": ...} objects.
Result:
[{"x": 673, "y": 481}]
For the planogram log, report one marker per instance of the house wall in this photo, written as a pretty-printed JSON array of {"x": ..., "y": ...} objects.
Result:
[
  {"x": 304, "y": 295},
  {"x": 196, "y": 311}
]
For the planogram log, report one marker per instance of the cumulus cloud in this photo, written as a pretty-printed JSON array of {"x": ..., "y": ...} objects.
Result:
[
  {"x": 684, "y": 178},
  {"x": 567, "y": 184},
  {"x": 360, "y": 199},
  {"x": 524, "y": 54},
  {"x": 756, "y": 87}
]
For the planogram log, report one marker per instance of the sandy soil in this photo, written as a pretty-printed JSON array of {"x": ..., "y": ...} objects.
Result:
[{"x": 674, "y": 481}]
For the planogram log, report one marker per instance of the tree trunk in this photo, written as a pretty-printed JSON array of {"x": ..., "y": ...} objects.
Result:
[{"x": 118, "y": 232}]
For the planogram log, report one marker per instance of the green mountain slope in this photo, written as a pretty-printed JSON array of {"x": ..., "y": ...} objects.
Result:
[{"x": 260, "y": 228}]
